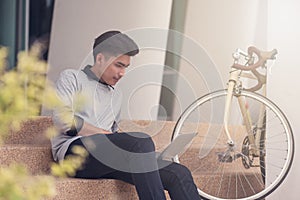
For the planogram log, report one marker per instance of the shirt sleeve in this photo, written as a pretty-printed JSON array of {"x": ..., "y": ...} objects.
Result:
[
  {"x": 115, "y": 126},
  {"x": 63, "y": 115},
  {"x": 117, "y": 102}
]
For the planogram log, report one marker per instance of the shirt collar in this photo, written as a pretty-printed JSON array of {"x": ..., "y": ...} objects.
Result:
[{"x": 87, "y": 70}]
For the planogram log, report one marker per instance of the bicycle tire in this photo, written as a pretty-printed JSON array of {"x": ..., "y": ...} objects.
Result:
[
  {"x": 227, "y": 179},
  {"x": 261, "y": 147},
  {"x": 262, "y": 158}
]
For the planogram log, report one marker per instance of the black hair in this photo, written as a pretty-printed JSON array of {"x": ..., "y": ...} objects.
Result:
[{"x": 114, "y": 43}]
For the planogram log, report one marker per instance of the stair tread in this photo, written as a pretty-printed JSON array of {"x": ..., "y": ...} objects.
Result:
[
  {"x": 71, "y": 188},
  {"x": 31, "y": 147},
  {"x": 37, "y": 159},
  {"x": 33, "y": 131}
]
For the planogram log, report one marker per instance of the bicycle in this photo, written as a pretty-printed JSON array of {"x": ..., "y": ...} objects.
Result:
[{"x": 238, "y": 124}]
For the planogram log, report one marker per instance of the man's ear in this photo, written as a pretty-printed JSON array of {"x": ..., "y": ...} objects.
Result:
[{"x": 100, "y": 58}]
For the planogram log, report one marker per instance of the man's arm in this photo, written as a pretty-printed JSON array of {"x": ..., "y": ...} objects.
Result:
[
  {"x": 63, "y": 115},
  {"x": 88, "y": 129}
]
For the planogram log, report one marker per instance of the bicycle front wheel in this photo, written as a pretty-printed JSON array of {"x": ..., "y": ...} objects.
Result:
[{"x": 223, "y": 172}]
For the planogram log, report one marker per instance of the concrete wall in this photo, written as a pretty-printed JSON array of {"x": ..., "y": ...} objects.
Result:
[
  {"x": 216, "y": 29},
  {"x": 283, "y": 80},
  {"x": 219, "y": 27},
  {"x": 77, "y": 22}
]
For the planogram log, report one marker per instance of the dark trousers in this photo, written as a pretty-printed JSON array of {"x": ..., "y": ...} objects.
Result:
[{"x": 130, "y": 157}]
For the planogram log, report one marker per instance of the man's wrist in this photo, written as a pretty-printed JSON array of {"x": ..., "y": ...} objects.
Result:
[{"x": 76, "y": 126}]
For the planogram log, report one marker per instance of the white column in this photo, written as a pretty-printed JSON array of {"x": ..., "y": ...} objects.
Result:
[{"x": 283, "y": 79}]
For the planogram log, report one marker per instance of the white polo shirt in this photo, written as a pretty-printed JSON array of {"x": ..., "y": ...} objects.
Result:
[{"x": 83, "y": 98}]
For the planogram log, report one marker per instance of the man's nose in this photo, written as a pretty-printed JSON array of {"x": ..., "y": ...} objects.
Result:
[{"x": 122, "y": 72}]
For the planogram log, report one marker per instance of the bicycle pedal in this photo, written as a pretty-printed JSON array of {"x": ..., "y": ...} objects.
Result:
[{"x": 224, "y": 158}]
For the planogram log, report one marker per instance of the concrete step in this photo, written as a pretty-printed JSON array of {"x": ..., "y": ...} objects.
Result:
[
  {"x": 37, "y": 159},
  {"x": 33, "y": 131},
  {"x": 68, "y": 188},
  {"x": 31, "y": 147},
  {"x": 81, "y": 189}
]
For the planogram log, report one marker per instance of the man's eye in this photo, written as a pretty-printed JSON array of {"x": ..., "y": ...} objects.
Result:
[{"x": 121, "y": 66}]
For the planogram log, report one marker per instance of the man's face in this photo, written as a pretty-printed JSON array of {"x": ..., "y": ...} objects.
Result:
[{"x": 114, "y": 68}]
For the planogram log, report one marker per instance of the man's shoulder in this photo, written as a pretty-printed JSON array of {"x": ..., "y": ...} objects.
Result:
[
  {"x": 71, "y": 73},
  {"x": 70, "y": 78}
]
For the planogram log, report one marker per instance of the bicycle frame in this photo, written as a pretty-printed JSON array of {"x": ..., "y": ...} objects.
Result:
[{"x": 234, "y": 88}]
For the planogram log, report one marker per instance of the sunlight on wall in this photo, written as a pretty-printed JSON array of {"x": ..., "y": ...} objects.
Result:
[{"x": 283, "y": 79}]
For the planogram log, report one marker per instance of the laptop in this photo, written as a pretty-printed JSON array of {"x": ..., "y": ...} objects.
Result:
[{"x": 177, "y": 146}]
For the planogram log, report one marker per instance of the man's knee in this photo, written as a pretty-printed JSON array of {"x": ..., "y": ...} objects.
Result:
[
  {"x": 179, "y": 172},
  {"x": 183, "y": 172},
  {"x": 142, "y": 142}
]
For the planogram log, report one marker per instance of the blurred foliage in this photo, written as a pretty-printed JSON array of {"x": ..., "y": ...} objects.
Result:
[
  {"x": 69, "y": 166},
  {"x": 22, "y": 89},
  {"x": 16, "y": 184},
  {"x": 22, "y": 93}
]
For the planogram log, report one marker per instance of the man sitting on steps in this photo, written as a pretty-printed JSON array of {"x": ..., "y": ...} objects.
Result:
[{"x": 129, "y": 157}]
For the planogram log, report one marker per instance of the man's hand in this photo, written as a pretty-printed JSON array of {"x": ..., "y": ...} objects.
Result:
[{"x": 88, "y": 129}]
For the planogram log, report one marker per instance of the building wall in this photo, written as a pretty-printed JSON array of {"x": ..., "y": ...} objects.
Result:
[
  {"x": 219, "y": 27},
  {"x": 283, "y": 80},
  {"x": 75, "y": 25},
  {"x": 8, "y": 28},
  {"x": 213, "y": 31}
]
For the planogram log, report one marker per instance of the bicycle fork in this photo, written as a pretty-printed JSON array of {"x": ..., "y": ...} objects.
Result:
[
  {"x": 230, "y": 88},
  {"x": 233, "y": 89}
]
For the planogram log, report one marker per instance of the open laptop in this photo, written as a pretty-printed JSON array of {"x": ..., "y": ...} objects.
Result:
[{"x": 176, "y": 147}]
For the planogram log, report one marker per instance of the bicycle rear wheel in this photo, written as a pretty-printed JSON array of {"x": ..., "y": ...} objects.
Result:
[{"x": 218, "y": 170}]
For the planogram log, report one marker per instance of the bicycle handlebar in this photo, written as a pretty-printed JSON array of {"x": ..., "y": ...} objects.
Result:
[
  {"x": 263, "y": 56},
  {"x": 261, "y": 80}
]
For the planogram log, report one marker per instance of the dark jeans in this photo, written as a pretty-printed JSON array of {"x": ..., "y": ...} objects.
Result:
[{"x": 130, "y": 157}]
